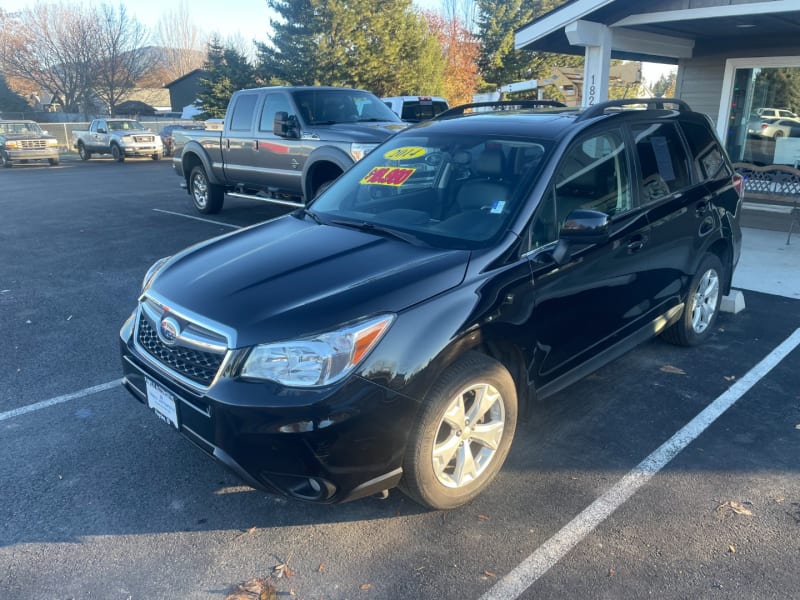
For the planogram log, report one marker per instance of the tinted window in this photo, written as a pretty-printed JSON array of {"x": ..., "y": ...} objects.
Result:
[
  {"x": 326, "y": 107},
  {"x": 662, "y": 159},
  {"x": 706, "y": 152},
  {"x": 274, "y": 103},
  {"x": 242, "y": 117},
  {"x": 592, "y": 175},
  {"x": 422, "y": 110}
]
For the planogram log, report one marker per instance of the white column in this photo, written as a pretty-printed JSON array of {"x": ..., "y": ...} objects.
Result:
[{"x": 596, "y": 38}]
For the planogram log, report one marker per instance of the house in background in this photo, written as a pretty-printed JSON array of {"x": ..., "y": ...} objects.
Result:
[{"x": 183, "y": 91}]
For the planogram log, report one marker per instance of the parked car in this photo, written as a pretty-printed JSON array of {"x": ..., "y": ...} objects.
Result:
[
  {"x": 120, "y": 138},
  {"x": 22, "y": 140},
  {"x": 413, "y": 109},
  {"x": 392, "y": 332},
  {"x": 167, "y": 139},
  {"x": 775, "y": 113},
  {"x": 281, "y": 144},
  {"x": 775, "y": 128}
]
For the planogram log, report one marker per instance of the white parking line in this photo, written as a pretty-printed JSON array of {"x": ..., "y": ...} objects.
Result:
[
  {"x": 553, "y": 550},
  {"x": 177, "y": 214},
  {"x": 59, "y": 399}
]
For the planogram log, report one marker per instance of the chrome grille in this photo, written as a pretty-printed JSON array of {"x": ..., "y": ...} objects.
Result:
[
  {"x": 198, "y": 366},
  {"x": 33, "y": 144},
  {"x": 143, "y": 138}
]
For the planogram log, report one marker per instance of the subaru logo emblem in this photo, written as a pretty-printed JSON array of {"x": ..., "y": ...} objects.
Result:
[{"x": 169, "y": 330}]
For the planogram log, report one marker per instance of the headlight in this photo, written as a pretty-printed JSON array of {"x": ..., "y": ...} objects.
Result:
[
  {"x": 152, "y": 272},
  {"x": 12, "y": 145},
  {"x": 316, "y": 361},
  {"x": 359, "y": 151},
  {"x": 52, "y": 142}
]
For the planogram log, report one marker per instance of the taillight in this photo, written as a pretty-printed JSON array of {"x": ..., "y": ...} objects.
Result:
[
  {"x": 738, "y": 184},
  {"x": 764, "y": 125}
]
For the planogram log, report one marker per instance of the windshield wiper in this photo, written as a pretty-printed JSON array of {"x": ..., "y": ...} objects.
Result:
[{"x": 375, "y": 228}]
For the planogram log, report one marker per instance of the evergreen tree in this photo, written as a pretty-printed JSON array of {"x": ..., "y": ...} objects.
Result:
[
  {"x": 291, "y": 59},
  {"x": 499, "y": 62},
  {"x": 227, "y": 70},
  {"x": 379, "y": 45}
]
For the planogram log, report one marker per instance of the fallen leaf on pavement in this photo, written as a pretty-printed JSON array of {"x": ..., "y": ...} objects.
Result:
[
  {"x": 672, "y": 370},
  {"x": 731, "y": 507},
  {"x": 483, "y": 517},
  {"x": 254, "y": 589},
  {"x": 490, "y": 574},
  {"x": 732, "y": 549},
  {"x": 365, "y": 586},
  {"x": 729, "y": 377},
  {"x": 321, "y": 568},
  {"x": 611, "y": 572}
]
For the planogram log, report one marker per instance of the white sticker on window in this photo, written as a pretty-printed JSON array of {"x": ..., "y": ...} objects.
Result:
[{"x": 498, "y": 206}]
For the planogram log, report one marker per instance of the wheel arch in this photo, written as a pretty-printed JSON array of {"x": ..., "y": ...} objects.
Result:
[
  {"x": 194, "y": 155},
  {"x": 323, "y": 165},
  {"x": 722, "y": 249}
]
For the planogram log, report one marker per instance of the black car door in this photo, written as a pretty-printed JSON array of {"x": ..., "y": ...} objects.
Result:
[{"x": 594, "y": 298}]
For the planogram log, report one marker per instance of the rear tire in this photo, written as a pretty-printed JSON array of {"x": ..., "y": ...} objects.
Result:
[
  {"x": 702, "y": 305},
  {"x": 463, "y": 434},
  {"x": 83, "y": 152},
  {"x": 206, "y": 197}
]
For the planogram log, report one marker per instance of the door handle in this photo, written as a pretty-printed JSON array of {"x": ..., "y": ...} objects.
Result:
[
  {"x": 637, "y": 243},
  {"x": 255, "y": 144}
]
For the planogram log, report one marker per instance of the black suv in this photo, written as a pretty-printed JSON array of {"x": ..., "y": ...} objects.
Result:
[{"x": 391, "y": 333}]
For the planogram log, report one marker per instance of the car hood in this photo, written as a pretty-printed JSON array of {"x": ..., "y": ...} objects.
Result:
[
  {"x": 356, "y": 132},
  {"x": 290, "y": 278}
]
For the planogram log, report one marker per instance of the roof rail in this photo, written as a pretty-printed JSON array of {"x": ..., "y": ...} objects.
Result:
[
  {"x": 499, "y": 104},
  {"x": 652, "y": 104}
]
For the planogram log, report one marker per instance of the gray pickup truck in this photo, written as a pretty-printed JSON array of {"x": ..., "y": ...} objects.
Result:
[
  {"x": 281, "y": 144},
  {"x": 119, "y": 138}
]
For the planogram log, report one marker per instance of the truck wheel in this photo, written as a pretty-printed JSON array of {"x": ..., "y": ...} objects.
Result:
[
  {"x": 463, "y": 434},
  {"x": 156, "y": 156},
  {"x": 53, "y": 162},
  {"x": 83, "y": 152},
  {"x": 117, "y": 153},
  {"x": 4, "y": 161},
  {"x": 207, "y": 197}
]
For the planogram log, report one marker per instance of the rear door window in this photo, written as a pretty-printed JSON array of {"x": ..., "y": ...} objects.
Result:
[
  {"x": 664, "y": 166},
  {"x": 242, "y": 118}
]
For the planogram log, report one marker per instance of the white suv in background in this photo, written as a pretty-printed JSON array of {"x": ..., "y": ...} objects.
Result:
[{"x": 413, "y": 109}]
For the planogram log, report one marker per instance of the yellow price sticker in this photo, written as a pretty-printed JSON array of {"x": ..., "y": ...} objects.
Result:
[{"x": 405, "y": 153}]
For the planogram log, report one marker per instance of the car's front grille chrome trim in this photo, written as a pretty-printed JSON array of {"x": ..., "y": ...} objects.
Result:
[{"x": 195, "y": 357}]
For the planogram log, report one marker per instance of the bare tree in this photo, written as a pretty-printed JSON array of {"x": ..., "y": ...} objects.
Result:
[
  {"x": 181, "y": 42},
  {"x": 51, "y": 45},
  {"x": 121, "y": 54}
]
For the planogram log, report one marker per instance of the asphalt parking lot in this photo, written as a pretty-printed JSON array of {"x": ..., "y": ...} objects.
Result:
[{"x": 100, "y": 499}]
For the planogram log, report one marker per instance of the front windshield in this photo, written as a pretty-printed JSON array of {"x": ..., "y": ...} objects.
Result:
[
  {"x": 447, "y": 190},
  {"x": 327, "y": 107},
  {"x": 125, "y": 126},
  {"x": 20, "y": 128}
]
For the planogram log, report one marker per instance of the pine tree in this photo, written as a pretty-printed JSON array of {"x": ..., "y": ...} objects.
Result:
[
  {"x": 227, "y": 70},
  {"x": 499, "y": 62},
  {"x": 379, "y": 45}
]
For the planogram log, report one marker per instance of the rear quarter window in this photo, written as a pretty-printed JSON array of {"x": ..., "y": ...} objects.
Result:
[{"x": 708, "y": 156}]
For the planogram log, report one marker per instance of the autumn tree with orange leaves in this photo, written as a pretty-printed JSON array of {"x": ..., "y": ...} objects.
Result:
[{"x": 460, "y": 50}]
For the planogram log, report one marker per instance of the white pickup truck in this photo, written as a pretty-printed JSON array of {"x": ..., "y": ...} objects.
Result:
[{"x": 118, "y": 137}]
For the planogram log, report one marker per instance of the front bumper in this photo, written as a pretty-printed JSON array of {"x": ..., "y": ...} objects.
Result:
[
  {"x": 323, "y": 445},
  {"x": 143, "y": 150},
  {"x": 32, "y": 154}
]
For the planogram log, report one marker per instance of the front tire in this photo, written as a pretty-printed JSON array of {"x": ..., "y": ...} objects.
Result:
[
  {"x": 206, "y": 197},
  {"x": 156, "y": 156},
  {"x": 117, "y": 154},
  {"x": 53, "y": 162},
  {"x": 702, "y": 305},
  {"x": 83, "y": 152},
  {"x": 4, "y": 161},
  {"x": 463, "y": 435}
]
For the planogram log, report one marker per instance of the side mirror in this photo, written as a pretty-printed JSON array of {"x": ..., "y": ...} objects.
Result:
[
  {"x": 284, "y": 125},
  {"x": 581, "y": 227},
  {"x": 101, "y": 130}
]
